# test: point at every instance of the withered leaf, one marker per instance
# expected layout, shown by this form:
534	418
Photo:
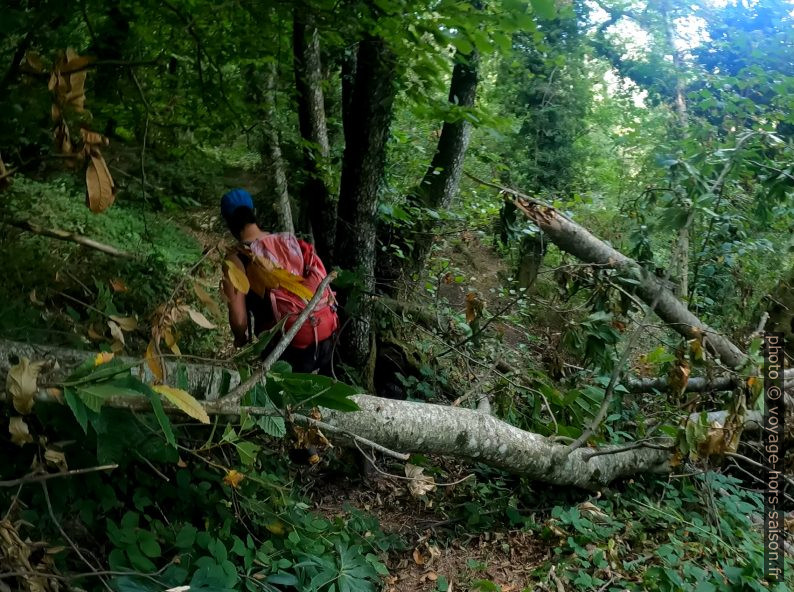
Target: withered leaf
206	299
99	184
20	433
237	277
153	362
21	384
126	323
198	318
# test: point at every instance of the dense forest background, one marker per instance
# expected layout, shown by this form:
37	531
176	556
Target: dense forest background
564	224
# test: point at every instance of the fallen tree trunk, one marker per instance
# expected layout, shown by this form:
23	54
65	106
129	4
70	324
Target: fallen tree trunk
572	238
396	425
402	425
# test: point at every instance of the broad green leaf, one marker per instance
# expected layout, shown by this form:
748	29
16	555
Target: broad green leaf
162	418
273	426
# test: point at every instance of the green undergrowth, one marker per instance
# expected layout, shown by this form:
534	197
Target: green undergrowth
38	270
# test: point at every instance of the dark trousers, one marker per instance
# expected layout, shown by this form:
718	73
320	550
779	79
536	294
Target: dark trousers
315	357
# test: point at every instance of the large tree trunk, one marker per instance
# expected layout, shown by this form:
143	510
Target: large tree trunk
271	153
316	195
366	133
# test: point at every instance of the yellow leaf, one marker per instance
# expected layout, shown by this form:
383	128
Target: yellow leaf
198	318
276	527
103	358
21	383
264	275
184	401
233	478
153	362
206	299
170	341
20	434
237	277
56	459
126	323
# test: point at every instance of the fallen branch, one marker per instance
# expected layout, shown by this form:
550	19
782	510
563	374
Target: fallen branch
579	242
65	235
37	477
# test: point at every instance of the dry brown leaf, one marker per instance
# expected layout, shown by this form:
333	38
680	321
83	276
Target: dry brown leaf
126	323
116	332
33	62
118	285
99	184
153	362
198	318
20	433
419	484
75	61
34	299
207	300
91	137
93	334
592	512
21	383
678	378
237	277
474	307
56	459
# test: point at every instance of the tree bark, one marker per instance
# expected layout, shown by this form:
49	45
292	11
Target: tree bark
271	153
316	195
680	260
440	183
366	134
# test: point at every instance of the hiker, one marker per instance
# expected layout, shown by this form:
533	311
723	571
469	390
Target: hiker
250	314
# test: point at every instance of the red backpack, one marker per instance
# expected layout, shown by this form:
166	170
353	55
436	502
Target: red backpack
299	258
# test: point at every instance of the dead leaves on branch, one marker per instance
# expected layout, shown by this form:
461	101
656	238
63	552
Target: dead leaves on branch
67	83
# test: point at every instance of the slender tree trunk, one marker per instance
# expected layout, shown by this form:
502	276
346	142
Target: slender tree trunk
680	260
440	183
316	195
271	153
366	133
439	186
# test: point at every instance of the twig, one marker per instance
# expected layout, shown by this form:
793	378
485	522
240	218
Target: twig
65	235
356	438
484	326
36	477
66	536
756	464
404	478
237	393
